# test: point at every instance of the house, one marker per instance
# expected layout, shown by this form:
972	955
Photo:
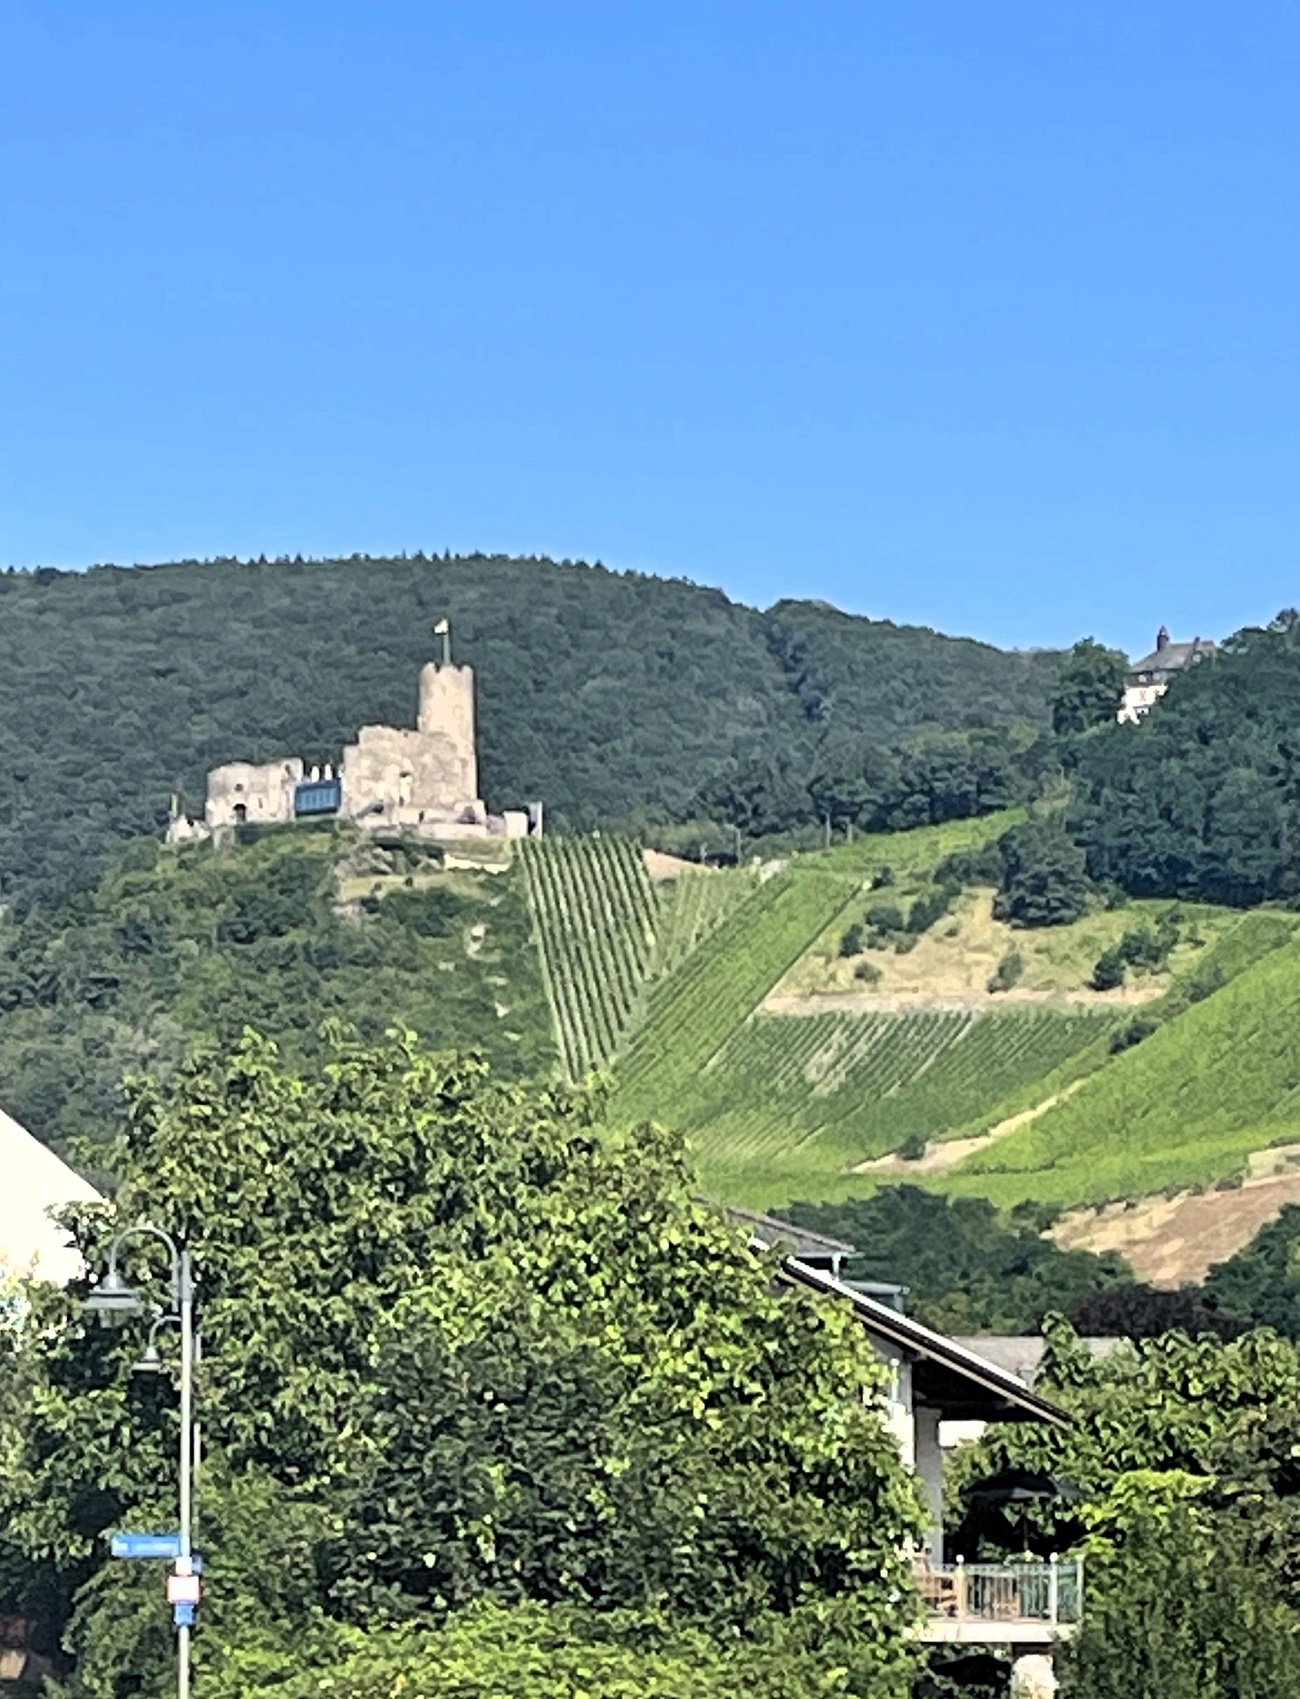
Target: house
36	1182
937	1384
1148	679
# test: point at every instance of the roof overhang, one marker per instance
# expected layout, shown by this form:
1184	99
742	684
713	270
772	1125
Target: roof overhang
958	1382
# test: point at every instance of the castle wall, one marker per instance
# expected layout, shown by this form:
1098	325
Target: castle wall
424	781
241	793
395	776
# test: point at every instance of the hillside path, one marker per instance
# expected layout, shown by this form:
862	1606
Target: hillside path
942	1154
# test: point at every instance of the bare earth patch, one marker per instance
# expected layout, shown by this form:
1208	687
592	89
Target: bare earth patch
1170	1241
660	865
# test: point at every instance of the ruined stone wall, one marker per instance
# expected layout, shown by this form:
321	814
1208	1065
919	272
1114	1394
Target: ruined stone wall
395	776
242	793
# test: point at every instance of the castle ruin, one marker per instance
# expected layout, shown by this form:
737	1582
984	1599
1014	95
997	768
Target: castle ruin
421	782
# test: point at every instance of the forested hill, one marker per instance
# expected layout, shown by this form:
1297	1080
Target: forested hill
615	697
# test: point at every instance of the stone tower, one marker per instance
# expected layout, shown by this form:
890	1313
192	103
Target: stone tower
446	729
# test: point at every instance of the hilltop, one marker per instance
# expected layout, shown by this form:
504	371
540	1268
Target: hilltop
617	698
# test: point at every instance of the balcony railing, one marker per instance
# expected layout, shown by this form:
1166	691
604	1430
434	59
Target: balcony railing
1020	1596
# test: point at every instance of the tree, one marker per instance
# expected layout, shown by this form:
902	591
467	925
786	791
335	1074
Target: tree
1088	688
1110	970
1188	1607
1043	879
461	1345
1261	1282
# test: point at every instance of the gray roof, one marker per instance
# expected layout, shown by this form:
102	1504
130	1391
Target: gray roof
1022	1353
952	1363
1173	657
797	1239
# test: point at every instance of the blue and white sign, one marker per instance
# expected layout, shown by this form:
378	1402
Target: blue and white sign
146	1545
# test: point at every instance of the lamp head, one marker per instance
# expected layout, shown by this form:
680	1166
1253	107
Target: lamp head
112	1300
150	1362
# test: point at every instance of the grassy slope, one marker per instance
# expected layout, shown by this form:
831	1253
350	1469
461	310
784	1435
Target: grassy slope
1218	1079
793	1103
595	913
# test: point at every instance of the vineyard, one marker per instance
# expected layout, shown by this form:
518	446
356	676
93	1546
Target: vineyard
594	909
793	1102
668	984
1184	1107
692	907
694	1009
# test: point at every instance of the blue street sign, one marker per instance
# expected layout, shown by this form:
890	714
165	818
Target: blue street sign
183	1615
146	1545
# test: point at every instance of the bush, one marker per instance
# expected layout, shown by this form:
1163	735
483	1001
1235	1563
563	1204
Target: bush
868	973
885	917
1142	948
1110	970
1133	1033
971	867
852	940
433	912
883	877
1008	972
930	906
913	1147
526	1651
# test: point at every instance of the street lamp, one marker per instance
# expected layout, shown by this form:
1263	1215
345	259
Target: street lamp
113	1300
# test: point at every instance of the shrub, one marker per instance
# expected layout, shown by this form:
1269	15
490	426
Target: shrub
1110	970
883	877
930	906
913	1147
851	941
971	867
1007	972
1133	1033
867	972
885	917
430	913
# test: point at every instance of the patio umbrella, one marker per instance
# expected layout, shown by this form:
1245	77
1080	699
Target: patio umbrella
999	1493
1022	1486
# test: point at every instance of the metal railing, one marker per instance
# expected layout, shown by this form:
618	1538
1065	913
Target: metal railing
1050	1593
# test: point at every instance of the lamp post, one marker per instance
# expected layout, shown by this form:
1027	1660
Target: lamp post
112	1300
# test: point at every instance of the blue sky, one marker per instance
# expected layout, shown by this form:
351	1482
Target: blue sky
982	316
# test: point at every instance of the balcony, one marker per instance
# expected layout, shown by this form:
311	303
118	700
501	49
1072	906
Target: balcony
1011	1604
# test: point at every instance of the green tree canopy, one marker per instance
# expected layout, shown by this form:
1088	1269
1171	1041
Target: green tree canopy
1088	689
460	1344
1043	878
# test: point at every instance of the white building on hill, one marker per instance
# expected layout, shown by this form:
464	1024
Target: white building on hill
1148	679
35	1181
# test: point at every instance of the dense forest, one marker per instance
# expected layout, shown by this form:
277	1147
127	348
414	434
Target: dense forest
618	698
293	933
1202	799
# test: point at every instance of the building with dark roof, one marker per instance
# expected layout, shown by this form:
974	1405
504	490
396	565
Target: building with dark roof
1148	679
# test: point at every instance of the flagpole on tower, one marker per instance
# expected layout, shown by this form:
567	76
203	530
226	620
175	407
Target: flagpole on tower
443	630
